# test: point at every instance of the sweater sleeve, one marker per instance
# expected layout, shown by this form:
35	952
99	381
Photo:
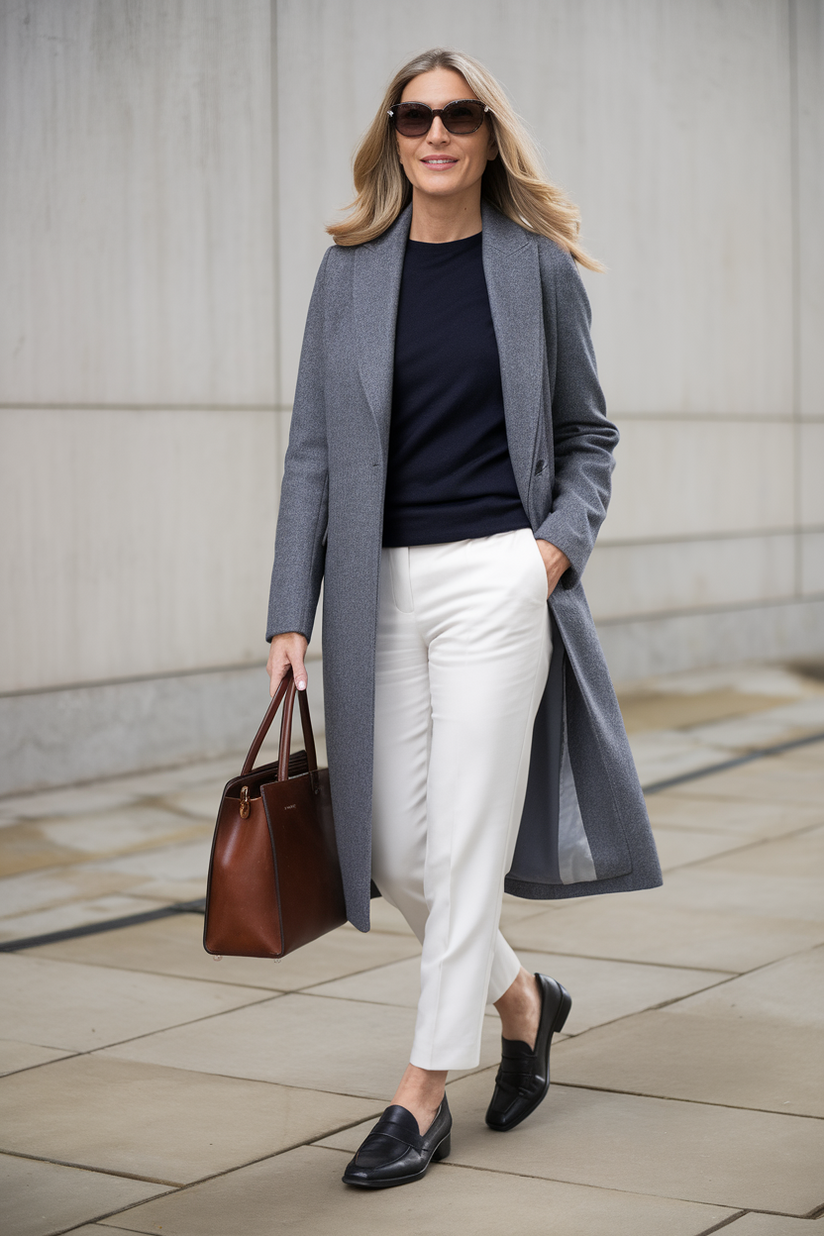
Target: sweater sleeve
583	438
300	536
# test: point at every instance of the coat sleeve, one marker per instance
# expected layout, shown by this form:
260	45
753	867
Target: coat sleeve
583	437
300	536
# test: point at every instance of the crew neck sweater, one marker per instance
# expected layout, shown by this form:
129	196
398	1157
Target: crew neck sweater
449	474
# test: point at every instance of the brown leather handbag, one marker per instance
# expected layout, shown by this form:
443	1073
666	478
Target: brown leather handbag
274	876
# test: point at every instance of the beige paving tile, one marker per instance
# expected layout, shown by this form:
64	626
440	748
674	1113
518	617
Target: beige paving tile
41	1198
770	778
202	801
764	728
681	924
311	1199
749	817
171	1125
76	1007
752	1042
94	1229
645	710
678	847
788	858
127	828
663	1148
170	873
73	914
790	992
67	800
36	844
15	1056
43	890
736	885
602	991
661	754
771	1225
175	946
342	1046
702	1060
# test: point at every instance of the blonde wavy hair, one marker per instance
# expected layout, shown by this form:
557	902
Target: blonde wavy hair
514	183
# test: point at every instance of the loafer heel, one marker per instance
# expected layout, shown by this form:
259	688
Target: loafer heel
563	1010
443	1150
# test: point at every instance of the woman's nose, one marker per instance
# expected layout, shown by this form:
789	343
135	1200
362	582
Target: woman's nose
437	132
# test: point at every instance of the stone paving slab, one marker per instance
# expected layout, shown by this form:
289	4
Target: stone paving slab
175	946
680	847
340	1046
604	990
677	925
749	818
752	1042
706	992
771	1225
42	1198
80	1008
301	1192
745	1160
170	1125
15	1056
83	912
779	779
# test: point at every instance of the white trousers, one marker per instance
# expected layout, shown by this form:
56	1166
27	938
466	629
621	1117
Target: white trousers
463	652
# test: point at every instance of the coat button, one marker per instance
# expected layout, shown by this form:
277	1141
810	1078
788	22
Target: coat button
539	467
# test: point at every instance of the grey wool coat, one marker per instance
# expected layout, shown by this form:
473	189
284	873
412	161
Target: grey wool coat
584	828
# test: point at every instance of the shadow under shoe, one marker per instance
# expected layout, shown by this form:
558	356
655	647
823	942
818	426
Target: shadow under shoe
396	1153
523	1078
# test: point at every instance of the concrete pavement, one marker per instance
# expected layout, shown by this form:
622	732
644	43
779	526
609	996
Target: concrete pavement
148	1088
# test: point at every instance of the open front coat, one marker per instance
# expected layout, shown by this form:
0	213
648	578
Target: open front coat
584	828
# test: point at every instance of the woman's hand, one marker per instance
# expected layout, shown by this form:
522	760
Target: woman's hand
285	651
555	561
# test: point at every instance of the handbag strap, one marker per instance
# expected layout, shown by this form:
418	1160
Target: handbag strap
287	689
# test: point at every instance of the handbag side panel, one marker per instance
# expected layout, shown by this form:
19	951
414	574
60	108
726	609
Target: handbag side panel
242	918
310	889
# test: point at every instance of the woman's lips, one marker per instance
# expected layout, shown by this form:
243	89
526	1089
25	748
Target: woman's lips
439	162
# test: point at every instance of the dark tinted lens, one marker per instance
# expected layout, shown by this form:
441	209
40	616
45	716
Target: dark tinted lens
463	117
412	119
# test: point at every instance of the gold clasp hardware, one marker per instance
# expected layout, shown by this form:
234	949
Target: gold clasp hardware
244	803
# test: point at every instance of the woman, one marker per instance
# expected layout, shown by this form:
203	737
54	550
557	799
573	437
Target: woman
448	469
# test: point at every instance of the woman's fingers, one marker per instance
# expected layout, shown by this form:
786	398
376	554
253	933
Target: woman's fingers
287	652
555	562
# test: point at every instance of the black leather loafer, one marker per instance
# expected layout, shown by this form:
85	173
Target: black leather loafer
523	1078
395	1153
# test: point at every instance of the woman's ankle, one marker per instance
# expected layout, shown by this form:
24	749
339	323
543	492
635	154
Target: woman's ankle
421	1092
520	1009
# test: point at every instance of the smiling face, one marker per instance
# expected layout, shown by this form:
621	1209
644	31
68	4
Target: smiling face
442	164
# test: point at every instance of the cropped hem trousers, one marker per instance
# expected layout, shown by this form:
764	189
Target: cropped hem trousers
463	652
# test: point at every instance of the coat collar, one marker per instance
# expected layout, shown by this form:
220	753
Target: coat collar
510	261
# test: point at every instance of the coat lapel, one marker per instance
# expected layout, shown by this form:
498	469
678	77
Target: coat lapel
513	282
377	282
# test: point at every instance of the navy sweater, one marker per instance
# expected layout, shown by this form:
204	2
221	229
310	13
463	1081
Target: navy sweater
449	476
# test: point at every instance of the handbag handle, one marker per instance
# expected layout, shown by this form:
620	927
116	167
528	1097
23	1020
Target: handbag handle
286	688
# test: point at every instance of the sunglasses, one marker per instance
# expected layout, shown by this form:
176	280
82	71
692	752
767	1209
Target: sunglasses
461	117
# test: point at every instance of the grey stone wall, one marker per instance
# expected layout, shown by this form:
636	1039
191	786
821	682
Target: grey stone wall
169	167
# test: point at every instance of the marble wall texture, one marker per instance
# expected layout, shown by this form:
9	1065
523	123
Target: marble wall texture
168	169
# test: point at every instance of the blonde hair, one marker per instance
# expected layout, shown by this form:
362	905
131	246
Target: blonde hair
514	182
